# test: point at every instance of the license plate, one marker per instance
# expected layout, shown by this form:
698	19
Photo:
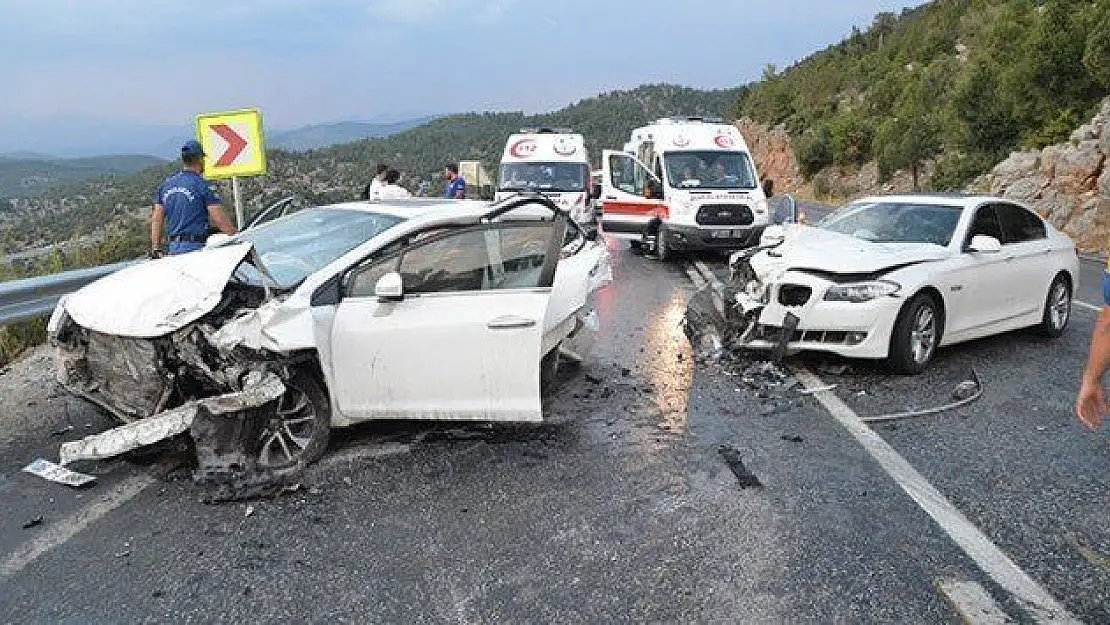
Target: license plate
721	234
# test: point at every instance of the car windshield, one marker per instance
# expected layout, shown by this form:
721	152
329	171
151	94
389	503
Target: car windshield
895	222
710	170
569	177
294	247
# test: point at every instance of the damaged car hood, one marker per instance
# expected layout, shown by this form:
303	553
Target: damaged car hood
808	247
156	297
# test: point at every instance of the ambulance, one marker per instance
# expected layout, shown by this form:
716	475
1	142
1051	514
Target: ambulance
553	162
684	184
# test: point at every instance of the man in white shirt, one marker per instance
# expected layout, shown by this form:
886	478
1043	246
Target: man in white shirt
391	190
372	190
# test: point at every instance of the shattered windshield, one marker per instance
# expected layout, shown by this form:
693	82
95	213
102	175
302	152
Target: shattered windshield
895	222
709	170
294	247
568	177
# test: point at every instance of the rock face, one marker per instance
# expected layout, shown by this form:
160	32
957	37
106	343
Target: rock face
1069	183
773	154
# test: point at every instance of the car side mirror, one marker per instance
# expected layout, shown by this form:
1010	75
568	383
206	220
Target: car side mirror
389	288
768	188
217	239
983	244
595	192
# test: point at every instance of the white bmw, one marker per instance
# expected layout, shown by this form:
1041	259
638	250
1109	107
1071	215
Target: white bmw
898	277
416	309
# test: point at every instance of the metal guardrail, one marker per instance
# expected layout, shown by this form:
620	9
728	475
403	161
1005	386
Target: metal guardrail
31	298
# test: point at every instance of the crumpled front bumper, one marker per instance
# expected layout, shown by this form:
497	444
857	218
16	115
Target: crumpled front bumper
852	330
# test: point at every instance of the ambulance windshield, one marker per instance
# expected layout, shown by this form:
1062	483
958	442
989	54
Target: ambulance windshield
568	177
709	170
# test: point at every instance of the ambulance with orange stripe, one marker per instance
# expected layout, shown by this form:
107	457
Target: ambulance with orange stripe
684	184
553	162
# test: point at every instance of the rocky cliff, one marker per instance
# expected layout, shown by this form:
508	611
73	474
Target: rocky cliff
1069	183
773	154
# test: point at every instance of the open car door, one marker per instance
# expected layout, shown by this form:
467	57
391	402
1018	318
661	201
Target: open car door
462	340
631	195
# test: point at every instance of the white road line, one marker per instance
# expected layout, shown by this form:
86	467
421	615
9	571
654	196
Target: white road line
708	274
1091	307
973	604
1041	605
694	276
65	529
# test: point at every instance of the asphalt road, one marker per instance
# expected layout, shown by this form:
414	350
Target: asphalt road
620	509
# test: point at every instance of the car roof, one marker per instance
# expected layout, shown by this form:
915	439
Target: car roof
416	208
964	200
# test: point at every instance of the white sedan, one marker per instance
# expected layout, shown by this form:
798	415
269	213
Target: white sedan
417	309
897	277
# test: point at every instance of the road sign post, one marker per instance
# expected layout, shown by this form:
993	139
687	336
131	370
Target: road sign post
233	147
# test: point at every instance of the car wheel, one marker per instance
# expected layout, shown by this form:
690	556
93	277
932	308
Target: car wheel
1057	308
637	246
916	335
549	371
298	429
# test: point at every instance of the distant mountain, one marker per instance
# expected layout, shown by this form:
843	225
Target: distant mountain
326	135
23	176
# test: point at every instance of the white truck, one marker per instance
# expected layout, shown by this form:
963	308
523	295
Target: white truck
684	184
553	162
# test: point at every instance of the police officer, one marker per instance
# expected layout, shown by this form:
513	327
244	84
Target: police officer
186	206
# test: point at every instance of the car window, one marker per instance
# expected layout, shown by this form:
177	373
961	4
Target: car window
499	256
985	223
628	175
1019	225
895	222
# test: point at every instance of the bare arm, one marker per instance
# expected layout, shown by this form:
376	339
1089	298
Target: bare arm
157	223
1092	405
216	215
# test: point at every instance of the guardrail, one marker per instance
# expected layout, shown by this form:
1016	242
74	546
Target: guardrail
31	298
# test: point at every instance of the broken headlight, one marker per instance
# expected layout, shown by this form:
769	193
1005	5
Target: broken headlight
858	292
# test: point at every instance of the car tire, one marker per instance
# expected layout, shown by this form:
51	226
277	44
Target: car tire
549	371
637	246
1057	308
297	429
916	335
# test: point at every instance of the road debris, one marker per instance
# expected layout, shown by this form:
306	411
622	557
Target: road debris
48	470
63	431
744	477
33	522
966	392
792	439
249	511
819	389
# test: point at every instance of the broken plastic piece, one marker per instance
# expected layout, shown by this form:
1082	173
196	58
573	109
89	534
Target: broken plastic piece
56	473
159	427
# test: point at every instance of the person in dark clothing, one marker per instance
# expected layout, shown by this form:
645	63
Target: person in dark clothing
456	186
185	207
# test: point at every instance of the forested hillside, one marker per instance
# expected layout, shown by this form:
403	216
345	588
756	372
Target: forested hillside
961	81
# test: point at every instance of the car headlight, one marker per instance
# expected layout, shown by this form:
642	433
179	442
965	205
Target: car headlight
858	292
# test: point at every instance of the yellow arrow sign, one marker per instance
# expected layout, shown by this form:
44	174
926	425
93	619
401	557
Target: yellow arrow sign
233	144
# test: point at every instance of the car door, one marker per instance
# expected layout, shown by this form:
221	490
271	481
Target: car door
979	283
1026	247
625	186
463	342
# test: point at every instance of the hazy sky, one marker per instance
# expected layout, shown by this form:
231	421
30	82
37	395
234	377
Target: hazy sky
308	61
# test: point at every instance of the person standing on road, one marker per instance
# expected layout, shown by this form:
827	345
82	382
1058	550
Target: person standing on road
1091	406
456	186
185	206
391	190
371	191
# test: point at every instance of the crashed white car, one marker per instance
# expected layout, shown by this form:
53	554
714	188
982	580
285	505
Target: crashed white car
897	277
414	309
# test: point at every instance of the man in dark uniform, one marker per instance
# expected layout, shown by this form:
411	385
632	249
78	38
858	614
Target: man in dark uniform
185	207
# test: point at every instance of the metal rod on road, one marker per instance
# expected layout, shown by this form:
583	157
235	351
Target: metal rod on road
238	202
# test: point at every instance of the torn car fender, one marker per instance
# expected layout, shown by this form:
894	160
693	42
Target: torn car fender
279	325
576	278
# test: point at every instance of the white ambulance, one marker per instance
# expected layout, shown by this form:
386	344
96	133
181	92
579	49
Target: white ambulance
553	162
684	184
